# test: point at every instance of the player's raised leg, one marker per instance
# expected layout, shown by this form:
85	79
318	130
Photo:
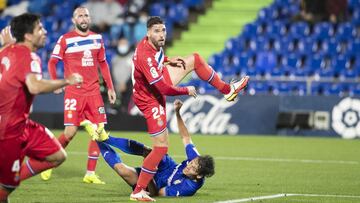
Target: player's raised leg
205	72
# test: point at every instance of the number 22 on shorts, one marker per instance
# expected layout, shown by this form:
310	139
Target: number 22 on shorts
70	104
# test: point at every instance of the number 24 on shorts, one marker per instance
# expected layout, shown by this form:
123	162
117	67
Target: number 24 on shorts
157	111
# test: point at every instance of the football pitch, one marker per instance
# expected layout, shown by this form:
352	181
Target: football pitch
247	168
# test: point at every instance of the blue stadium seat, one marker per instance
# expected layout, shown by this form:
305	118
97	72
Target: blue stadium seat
169	29
307	46
291	61
284	88
157	9
299	30
330	47
243	60
339	63
234	46
276	28
323	30
197	4
356	89
353	4
216	61
356	17
259	44
284	45
315	62
354	47
345	32
266	60
298	88
249	30
178	13
259	87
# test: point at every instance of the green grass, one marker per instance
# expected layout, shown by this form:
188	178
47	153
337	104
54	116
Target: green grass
261	165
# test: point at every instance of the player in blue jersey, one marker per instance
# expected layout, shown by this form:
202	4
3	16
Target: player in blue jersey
171	178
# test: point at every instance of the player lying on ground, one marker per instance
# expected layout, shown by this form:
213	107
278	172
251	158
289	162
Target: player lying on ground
171	179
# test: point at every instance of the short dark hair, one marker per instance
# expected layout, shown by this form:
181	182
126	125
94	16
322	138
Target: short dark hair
206	166
153	20
22	24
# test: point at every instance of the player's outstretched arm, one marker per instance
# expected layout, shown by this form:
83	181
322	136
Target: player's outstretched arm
36	85
184	133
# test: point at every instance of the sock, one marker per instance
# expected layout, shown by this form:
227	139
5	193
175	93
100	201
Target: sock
206	73
93	155
64	141
110	156
126	145
149	167
4	195
32	167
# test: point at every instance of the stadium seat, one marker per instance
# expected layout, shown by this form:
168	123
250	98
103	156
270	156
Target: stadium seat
299	30
276	28
307	46
354	47
284	45
194	4
323	30
330	47
339	63
345	32
157	9
178	14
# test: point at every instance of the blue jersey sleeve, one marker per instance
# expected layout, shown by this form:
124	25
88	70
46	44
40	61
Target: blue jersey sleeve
186	188
191	152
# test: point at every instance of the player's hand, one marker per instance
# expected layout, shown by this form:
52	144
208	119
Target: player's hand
192	91
177	105
74	79
177	62
6	37
112	96
58	91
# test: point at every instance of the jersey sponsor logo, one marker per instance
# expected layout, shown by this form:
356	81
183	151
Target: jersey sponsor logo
6	62
87	59
56	50
177	182
153	72
101	110
35	66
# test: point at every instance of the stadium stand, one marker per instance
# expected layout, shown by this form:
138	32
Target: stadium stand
286	57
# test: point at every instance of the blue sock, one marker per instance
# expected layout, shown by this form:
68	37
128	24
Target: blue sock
110	156
126	145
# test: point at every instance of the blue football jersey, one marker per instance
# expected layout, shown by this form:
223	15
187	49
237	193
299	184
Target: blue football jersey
170	175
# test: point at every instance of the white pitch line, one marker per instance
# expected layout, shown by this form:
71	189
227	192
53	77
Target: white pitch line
254	198
285	195
325	195
255	159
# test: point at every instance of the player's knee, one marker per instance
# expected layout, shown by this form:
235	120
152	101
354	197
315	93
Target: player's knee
59	157
4	193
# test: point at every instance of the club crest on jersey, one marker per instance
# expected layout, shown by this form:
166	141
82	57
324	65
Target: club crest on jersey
101	110
87	59
160	122
69	114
